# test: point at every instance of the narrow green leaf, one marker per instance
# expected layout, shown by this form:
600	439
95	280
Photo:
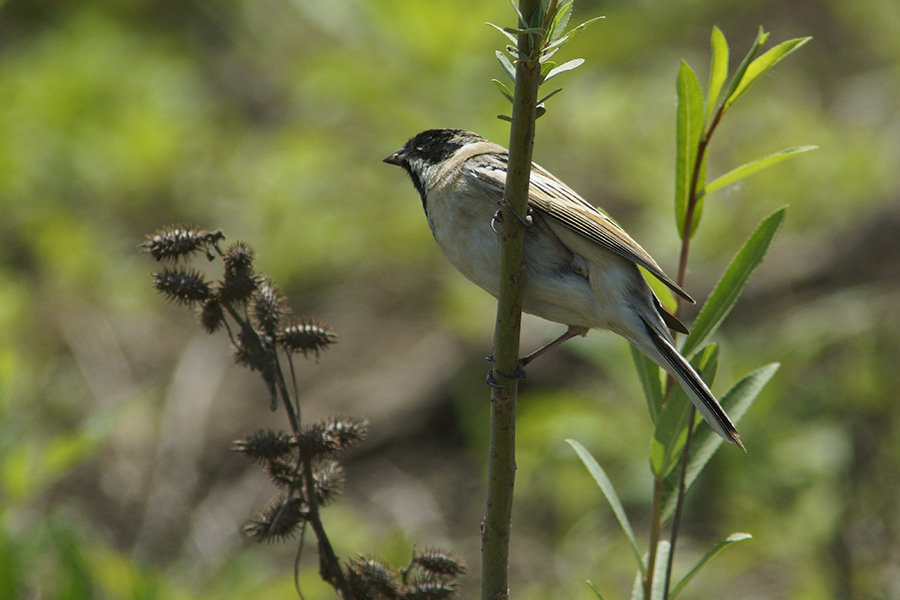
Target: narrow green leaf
761	38
718	71
596	591
658	588
566	66
507	65
710	554
764	63
670	434
706	442
503	89
550	95
689	128
518	13
729	288
609	491
504	31
648	373
752	167
560	20
569	35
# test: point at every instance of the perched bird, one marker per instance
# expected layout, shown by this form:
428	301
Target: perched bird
581	268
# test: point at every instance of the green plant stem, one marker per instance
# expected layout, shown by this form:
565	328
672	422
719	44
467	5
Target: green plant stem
655	531
501	460
679	279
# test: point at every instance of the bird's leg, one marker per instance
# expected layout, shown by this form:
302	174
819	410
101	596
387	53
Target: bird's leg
571	332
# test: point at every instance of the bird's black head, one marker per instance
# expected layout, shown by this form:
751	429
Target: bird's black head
428	149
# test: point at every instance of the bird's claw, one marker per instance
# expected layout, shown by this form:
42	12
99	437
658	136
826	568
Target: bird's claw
497	219
518	374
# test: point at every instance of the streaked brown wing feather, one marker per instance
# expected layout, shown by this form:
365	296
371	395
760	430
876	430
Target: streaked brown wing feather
553	198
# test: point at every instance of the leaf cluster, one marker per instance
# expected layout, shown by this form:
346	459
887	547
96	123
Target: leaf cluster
548	35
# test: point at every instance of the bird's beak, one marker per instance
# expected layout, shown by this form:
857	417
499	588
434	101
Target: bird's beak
397	158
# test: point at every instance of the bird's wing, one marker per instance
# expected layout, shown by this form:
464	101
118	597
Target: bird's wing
551	197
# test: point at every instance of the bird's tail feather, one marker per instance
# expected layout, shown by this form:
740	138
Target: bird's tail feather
693	386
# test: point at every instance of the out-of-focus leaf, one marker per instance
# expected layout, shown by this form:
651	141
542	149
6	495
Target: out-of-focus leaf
710	554
648	373
596	591
689	129
658	589
729	288
705	442
718	71
762	64
566	66
609	491
752	167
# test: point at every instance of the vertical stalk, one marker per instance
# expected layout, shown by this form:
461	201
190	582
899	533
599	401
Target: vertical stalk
501	461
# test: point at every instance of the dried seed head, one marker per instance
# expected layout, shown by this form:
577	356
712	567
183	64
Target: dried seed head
182	286
346	431
304	335
371	579
236	287
268	308
172	243
329	478
439	563
314	442
238	259
210	315
429	590
278	521
264	445
282	473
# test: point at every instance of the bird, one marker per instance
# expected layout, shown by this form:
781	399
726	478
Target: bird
581	267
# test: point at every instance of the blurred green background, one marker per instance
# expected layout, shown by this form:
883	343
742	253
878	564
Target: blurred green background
269	119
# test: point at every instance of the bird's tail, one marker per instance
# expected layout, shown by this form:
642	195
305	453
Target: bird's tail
692	384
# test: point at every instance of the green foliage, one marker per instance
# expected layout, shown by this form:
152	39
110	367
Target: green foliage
549	35
678	438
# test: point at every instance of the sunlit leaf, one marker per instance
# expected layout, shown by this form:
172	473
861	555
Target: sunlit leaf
560	20
761	37
718	71
609	491
689	129
710	554
570	34
566	66
752	167
764	63
727	291
705	442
